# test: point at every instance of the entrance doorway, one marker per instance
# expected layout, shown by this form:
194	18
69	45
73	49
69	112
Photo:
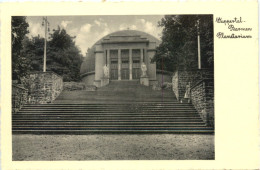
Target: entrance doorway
125	65
136	64
113	64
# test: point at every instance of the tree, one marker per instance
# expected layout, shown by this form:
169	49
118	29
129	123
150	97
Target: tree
63	56
19	62
179	42
33	50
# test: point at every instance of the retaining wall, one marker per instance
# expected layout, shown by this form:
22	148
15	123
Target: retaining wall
202	98
19	97
182	77
43	87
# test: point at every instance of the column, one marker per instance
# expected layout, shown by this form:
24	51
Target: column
146	59
130	64
108	62
142	56
119	64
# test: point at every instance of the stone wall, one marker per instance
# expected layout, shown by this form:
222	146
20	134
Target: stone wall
19	97
202	97
162	77
182	77
88	78
71	86
43	87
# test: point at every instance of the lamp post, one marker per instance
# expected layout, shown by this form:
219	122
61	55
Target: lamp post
45	23
199	57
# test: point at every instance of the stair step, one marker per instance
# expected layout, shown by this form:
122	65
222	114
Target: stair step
125	120
108	108
87	131
174	114
111	128
120	107
109	125
172	105
107	121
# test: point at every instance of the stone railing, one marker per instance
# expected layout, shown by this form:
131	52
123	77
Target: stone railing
202	98
19	97
43	87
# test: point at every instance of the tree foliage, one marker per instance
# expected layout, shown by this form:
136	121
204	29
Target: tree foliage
19	62
63	56
179	47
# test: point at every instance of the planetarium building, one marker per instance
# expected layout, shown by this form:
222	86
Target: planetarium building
121	56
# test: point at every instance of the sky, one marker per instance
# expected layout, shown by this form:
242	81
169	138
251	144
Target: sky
89	29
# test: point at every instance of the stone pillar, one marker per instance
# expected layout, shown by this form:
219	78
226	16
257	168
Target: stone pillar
146	59
119	64
108	62
99	63
142	56
130	64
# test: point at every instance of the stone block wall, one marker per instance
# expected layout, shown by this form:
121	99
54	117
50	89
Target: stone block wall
162	78
182	77
202	97
43	87
19	97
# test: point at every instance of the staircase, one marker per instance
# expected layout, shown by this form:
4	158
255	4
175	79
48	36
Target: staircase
116	91
121	107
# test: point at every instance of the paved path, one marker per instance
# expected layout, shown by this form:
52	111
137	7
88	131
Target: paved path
113	147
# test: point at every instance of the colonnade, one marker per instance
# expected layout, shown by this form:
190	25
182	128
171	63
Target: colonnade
119	67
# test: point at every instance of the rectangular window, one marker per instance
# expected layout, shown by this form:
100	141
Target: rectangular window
113	54
125	61
124	54
136	53
136	61
114	62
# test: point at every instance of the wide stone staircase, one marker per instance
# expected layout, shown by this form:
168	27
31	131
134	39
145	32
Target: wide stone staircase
120	107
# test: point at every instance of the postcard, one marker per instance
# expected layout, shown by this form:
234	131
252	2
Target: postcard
129	85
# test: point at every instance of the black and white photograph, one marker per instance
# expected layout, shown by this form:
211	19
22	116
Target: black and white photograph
129	85
112	87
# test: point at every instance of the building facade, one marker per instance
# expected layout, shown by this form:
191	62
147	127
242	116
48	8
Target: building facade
122	53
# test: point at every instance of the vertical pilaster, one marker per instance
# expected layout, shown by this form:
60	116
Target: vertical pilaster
119	64
130	64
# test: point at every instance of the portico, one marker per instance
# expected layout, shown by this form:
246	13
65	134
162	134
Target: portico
123	52
124	64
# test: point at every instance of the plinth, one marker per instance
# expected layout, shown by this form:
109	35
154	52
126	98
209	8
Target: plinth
104	81
144	80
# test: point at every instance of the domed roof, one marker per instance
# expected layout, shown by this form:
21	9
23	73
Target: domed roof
130	33
87	63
